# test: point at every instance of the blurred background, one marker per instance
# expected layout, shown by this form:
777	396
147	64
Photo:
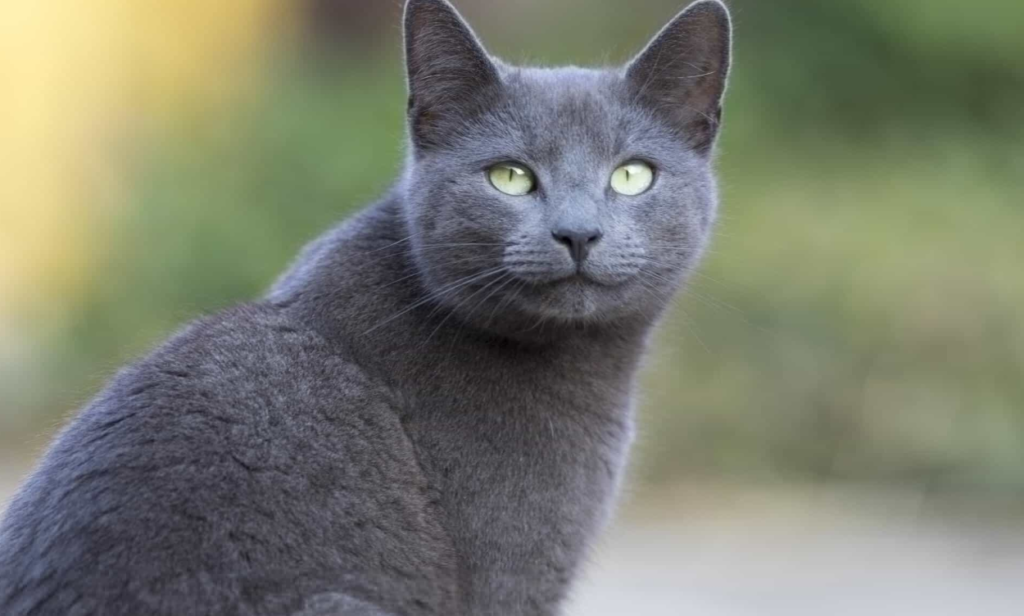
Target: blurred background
833	418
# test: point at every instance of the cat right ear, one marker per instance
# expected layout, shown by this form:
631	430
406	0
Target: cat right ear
448	69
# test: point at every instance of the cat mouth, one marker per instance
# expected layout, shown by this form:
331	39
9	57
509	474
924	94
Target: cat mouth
583	278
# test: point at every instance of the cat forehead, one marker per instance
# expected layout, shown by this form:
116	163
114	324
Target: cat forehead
565	88
557	110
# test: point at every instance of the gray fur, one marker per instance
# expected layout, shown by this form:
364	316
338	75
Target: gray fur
430	413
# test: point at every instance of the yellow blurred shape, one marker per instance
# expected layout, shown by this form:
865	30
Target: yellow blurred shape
79	83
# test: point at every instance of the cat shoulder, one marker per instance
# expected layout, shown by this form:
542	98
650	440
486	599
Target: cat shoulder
227	421
244	374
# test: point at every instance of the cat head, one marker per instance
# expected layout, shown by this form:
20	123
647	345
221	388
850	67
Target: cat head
568	195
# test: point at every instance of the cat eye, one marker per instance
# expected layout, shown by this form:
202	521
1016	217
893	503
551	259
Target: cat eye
633	178
511	179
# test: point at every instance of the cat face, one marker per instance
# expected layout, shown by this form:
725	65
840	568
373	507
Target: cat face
566	194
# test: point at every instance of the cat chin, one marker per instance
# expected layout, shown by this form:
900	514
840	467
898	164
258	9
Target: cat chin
572	300
575	300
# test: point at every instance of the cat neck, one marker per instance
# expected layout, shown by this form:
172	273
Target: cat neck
359	287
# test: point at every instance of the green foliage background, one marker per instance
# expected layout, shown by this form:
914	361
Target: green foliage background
859	318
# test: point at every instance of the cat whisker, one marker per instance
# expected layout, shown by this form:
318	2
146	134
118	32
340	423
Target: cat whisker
417	273
401	241
507	300
438	295
454	309
710	300
690	325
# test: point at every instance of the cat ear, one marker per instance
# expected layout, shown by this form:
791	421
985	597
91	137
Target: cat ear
448	69
682	73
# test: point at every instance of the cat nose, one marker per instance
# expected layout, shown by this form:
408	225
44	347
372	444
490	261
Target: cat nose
579	242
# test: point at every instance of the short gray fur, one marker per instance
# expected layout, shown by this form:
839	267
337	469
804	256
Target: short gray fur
430	413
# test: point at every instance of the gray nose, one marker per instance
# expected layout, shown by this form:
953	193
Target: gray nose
579	242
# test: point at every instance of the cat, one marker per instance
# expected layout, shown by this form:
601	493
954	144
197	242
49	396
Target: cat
430	412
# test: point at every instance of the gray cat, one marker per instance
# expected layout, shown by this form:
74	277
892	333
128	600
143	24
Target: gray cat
430	413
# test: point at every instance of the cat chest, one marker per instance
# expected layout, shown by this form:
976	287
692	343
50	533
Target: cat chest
524	484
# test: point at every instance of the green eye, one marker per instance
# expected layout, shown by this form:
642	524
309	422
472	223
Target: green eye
511	179
633	178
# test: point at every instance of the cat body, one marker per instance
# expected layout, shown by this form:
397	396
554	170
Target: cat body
430	413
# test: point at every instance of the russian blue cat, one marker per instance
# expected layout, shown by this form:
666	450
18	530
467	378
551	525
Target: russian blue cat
429	414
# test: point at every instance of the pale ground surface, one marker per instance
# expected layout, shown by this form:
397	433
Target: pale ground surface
813	552
713	551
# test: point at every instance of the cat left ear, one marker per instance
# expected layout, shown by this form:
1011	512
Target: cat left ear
448	69
682	73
